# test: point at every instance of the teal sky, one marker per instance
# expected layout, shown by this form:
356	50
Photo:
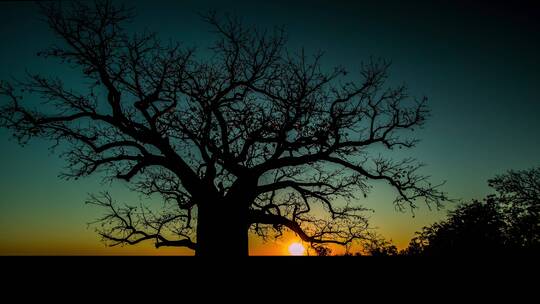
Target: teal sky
477	63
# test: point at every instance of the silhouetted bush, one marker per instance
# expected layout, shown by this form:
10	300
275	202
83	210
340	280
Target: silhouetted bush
380	248
502	223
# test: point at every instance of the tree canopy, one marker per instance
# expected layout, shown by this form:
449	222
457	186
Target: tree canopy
505	222
253	137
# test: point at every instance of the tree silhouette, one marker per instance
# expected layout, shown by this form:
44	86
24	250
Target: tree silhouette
380	247
474	228
519	199
252	137
507	222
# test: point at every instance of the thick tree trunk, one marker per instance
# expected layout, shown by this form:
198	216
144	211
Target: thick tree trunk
222	229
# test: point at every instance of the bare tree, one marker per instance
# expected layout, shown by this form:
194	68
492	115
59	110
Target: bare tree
253	137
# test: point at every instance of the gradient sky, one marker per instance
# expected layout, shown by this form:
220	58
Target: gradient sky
478	64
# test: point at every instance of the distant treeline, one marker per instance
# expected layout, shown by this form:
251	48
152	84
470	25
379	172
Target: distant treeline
506	222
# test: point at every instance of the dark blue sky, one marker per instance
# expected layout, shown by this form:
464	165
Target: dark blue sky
478	64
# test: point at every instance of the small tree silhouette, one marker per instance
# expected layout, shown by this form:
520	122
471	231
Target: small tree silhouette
519	199
252	137
380	247
507	222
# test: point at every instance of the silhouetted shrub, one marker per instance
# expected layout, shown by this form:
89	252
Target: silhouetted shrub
506	222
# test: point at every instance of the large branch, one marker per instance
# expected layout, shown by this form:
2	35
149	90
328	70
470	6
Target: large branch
125	226
317	238
402	178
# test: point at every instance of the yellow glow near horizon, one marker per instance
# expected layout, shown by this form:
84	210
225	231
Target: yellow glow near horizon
296	249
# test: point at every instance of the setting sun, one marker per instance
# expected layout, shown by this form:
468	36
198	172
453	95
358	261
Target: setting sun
296	249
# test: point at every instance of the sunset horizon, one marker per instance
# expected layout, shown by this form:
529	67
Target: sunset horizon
267	129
